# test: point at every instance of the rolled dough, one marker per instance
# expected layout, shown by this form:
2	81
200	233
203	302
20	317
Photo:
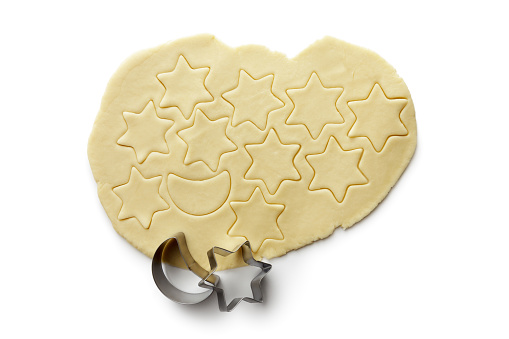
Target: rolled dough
227	144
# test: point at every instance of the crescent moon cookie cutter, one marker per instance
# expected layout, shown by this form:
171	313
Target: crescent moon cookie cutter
175	248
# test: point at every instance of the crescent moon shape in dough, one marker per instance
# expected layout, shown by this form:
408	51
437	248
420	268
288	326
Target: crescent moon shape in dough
199	197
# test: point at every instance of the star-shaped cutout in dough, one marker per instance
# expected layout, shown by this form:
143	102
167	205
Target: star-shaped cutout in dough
185	87
378	118
206	140
140	198
253	100
256	220
272	162
314	106
336	169
145	132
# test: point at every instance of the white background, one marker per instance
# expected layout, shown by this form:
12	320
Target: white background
430	262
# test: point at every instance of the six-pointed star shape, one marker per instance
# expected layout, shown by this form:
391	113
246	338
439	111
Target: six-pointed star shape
336	169
185	87
378	118
140	198
145	132
253	100
272	162
256	220
315	106
206	140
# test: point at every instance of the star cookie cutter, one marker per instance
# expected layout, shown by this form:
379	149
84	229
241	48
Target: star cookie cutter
175	248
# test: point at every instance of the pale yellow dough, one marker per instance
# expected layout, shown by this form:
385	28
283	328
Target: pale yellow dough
227	144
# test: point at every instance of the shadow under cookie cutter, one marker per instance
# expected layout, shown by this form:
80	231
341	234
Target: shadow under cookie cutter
177	246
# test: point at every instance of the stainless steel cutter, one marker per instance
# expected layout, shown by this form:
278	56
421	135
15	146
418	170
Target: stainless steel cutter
175	249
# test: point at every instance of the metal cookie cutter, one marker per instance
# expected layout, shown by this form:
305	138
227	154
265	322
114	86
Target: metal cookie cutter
176	248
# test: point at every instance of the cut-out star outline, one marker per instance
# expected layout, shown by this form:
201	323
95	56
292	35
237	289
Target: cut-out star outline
256	220
140	198
206	140
378	117
185	87
314	106
336	169
272	161
145	132
253	100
